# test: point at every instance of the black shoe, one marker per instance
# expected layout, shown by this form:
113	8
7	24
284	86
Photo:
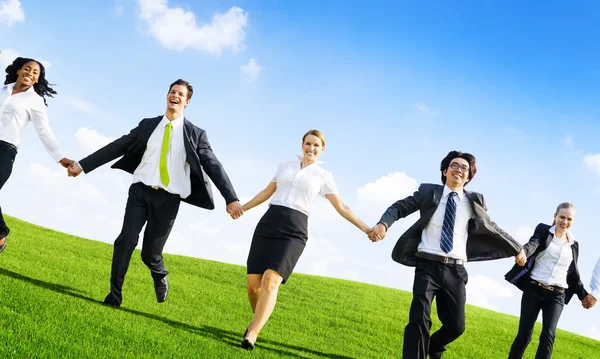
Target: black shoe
3	245
161	288
109	300
246	344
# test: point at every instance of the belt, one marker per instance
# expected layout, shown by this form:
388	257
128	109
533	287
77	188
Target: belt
548	287
440	259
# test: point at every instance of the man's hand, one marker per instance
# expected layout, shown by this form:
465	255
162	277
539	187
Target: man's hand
65	162
377	233
588	301
235	209
521	258
73	170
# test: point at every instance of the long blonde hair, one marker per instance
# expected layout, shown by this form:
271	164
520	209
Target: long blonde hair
564	205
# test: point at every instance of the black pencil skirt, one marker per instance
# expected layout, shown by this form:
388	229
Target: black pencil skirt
278	241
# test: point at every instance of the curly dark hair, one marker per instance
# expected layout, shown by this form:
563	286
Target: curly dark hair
457	154
42	87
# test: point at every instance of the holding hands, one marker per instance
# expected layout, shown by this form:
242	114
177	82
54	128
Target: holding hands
73	169
588	301
521	258
377	233
235	210
65	162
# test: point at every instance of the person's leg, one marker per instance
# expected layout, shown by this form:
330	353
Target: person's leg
254	285
530	308
552	308
7	158
267	298
416	332
450	303
136	212
162	212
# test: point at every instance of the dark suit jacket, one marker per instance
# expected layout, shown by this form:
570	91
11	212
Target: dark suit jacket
486	241
200	157
538	243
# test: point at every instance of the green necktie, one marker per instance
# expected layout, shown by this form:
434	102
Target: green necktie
162	166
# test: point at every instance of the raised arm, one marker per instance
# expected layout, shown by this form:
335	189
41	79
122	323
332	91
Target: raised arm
262	196
346	212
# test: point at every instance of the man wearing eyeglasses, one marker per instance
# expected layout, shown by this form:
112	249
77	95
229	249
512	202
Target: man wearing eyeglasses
453	228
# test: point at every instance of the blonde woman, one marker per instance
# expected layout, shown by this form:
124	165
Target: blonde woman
282	232
546	271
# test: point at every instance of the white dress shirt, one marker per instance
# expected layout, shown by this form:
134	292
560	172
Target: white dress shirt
552	264
432	234
595	285
16	111
148	171
298	187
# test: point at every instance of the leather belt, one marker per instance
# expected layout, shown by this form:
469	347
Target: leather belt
440	259
548	287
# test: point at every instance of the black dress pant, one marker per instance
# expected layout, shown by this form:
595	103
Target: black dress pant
8	152
551	304
157	209
447	283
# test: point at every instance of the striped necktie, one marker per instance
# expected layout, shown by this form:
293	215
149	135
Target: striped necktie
446	242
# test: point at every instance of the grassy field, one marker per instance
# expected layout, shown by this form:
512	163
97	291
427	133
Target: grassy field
51	285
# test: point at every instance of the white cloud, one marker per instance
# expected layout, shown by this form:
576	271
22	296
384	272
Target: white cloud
91	140
7	56
523	234
569	141
251	70
481	290
386	190
592	162
592	332
176	28
119	8
11	12
424	109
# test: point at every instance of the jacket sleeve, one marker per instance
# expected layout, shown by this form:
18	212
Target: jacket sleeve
534	242
113	150
579	288
214	169
491	226
402	208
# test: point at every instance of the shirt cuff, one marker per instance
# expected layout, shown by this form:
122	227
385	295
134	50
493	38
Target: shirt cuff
595	293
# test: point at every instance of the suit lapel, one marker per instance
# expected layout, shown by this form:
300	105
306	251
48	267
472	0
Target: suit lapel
147	132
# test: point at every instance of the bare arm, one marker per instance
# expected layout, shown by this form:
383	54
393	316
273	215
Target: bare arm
346	212
262	196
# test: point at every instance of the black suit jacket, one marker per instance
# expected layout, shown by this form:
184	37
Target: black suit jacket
200	157
486	241
538	243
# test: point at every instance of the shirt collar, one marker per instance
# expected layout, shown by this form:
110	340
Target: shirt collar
447	190
570	237
9	88
175	123
317	162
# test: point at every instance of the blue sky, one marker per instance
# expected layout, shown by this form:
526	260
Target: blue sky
393	85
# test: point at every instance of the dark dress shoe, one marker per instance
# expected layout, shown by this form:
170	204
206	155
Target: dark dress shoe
3	245
161	288
109	300
246	344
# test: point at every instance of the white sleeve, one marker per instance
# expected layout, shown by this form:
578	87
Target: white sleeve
39	118
329	186
595	285
278	172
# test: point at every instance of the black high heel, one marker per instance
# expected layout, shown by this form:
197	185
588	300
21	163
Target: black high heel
246	344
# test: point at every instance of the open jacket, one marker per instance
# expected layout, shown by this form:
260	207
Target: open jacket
538	243
485	241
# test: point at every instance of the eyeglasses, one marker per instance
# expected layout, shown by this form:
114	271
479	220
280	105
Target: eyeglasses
456	166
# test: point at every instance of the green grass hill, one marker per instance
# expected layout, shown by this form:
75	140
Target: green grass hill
52	284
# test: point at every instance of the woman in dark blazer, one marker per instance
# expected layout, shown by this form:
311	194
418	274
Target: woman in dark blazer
546	271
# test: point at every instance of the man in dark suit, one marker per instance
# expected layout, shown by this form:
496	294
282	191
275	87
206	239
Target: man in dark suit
169	158
454	227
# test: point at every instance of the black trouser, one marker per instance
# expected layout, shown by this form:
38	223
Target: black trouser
8	153
551	304
158	210
447	283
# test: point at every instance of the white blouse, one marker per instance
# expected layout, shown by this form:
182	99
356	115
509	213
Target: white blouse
552	264
298	187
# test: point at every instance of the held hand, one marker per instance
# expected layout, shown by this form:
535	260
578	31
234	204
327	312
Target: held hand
74	169
588	302
521	258
377	233
235	209
65	162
